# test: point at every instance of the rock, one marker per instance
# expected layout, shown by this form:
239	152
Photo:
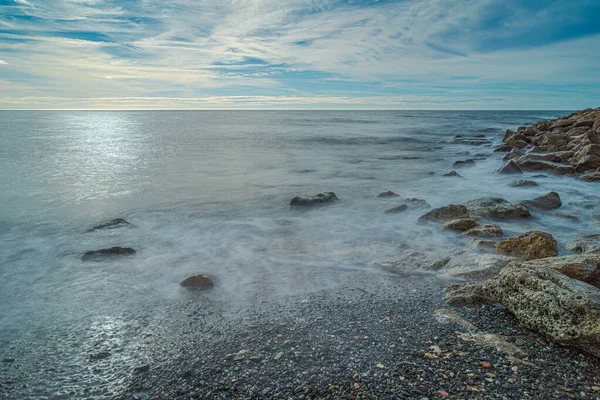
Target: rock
450	316
198	282
584	244
316	200
488	230
115	223
510	168
483	245
565	310
142	369
529	246
473	266
101	254
540	165
508	134
596	124
550	201
453	173
522	183
278	356
590	177
388	194
472	141
513	144
418	203
587	163
462	163
465	294
443	214
562	123
573	218
584	123
587	157
397	209
461	224
583	267
514	153
496	208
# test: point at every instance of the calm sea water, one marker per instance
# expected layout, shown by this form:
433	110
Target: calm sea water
209	192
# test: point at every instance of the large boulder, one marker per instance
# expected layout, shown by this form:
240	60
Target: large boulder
529	246
97	255
316	200
546	202
565	310
115	223
461	224
496	208
588	244
198	282
447	213
541	165
588	158
583	267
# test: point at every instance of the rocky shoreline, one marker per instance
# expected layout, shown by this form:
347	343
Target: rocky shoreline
520	320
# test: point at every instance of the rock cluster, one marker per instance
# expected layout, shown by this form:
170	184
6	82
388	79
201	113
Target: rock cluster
563	146
316	200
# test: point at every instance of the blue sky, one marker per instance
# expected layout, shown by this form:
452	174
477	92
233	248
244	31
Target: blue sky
301	54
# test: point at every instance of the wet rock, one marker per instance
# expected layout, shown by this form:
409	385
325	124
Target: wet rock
465	294
316	200
550	201
522	183
529	246
463	163
198	282
514	153
565	310
587	244
583	267
488	230
453	174
514	144
397	209
461	224
590	177
101	254
540	165
447	213
508	134
496	208
388	194
471	141
570	217
482	245
417	203
510	168
115	223
584	123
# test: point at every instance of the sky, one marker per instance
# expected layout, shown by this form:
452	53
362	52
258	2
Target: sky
299	54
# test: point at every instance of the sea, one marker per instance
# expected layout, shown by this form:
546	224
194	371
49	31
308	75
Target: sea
208	192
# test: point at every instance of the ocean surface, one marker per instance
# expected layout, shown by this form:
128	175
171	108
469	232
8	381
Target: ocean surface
208	192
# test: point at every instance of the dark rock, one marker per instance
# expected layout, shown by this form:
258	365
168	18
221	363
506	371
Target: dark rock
8	360
462	163
388	194
570	217
453	173
115	223
508	134
510	168
417	203
397	209
588	244
590	177
105	253
142	369
316	200
514	153
522	183
198	282
584	123
540	165
496	208
488	230
513	144
472	141
443	214
461	224
546	202
529	246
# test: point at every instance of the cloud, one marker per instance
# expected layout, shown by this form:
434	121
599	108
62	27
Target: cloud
510	50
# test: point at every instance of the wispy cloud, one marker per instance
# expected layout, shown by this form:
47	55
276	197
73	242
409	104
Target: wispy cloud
385	52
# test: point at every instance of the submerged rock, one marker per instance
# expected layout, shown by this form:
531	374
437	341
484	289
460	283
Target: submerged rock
461	224
198	282
462	163
453	173
488	230
397	209
105	253
316	200
550	201
483	245
388	194
522	183
418	203
529	246
443	214
115	223
565	310
584	244
510	168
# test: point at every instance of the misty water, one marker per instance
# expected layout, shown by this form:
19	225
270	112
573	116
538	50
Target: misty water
208	192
